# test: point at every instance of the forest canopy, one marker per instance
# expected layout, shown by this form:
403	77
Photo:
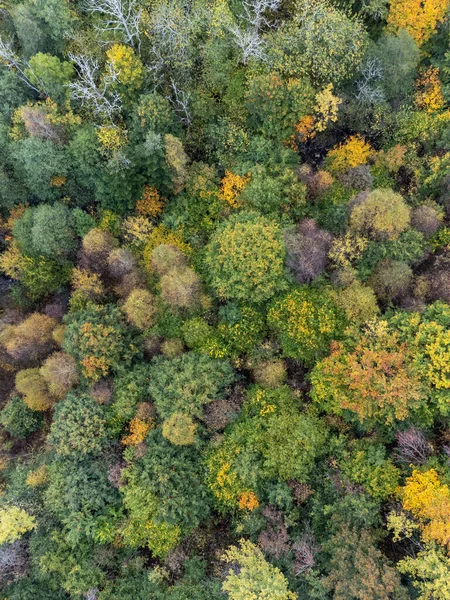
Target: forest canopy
225	300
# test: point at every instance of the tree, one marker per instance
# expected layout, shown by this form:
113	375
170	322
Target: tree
305	321
31	384
19	420
60	373
307	251
383	215
118	17
47	230
98	337
371	378
50	74
30	341
140	308
186	383
420	19
180	288
256	579
245	259
179	429
78	426
358	570
429	501
430	570
15	522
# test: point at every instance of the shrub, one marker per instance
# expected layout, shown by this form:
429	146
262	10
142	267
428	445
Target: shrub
78	426
357	178
18	420
383	215
186	383
245	259
179	429
32	385
60	373
97	245
140	308
305	321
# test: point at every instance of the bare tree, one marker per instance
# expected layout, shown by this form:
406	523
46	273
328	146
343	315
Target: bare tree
368	90
92	90
180	102
305	550
248	37
412	447
18	66
119	16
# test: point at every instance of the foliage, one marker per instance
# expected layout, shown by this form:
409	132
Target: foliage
257	579
245	259
419	19
186	383
382	215
306	321
78	426
18	420
15	522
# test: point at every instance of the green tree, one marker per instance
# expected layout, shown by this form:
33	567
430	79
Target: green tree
78	426
245	259
186	383
305	322
18	420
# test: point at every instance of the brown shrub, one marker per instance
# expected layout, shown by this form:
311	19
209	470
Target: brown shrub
426	220
120	262
270	373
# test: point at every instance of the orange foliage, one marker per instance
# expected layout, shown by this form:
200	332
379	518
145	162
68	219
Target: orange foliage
429	501
150	204
231	186
419	17
248	501
352	153
138	430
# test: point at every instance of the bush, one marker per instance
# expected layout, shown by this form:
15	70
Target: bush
383	215
358	301
18	420
245	259
78	426
270	373
426	220
305	321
